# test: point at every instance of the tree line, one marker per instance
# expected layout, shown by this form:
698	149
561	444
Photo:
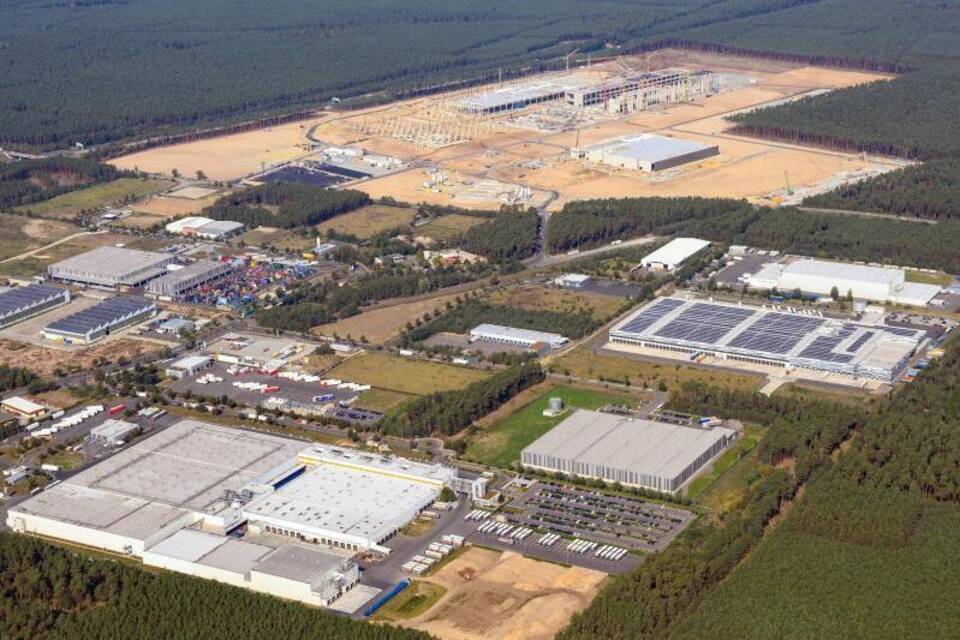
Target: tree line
449	412
28	181
510	237
285	205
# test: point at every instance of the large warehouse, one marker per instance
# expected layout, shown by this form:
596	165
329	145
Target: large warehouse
100	320
182	281
769	337
631	451
21	303
673	254
864	282
111	267
522	94
646	152
173	498
524	338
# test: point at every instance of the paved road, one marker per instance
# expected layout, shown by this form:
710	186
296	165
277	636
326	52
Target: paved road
545	260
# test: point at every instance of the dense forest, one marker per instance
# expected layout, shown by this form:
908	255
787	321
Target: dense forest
469	314
29	181
48	592
645	603
588	223
285	205
509	237
787	229
309	305
448	412
929	190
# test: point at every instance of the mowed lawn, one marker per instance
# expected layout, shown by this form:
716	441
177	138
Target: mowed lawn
98	195
501	445
406	375
367	222
449	226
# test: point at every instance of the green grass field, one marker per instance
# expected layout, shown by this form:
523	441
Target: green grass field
939	279
739	451
406	375
412	601
369	221
501	445
447	227
70	204
382	399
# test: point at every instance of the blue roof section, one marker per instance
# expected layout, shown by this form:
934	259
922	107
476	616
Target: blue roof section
21	298
108	312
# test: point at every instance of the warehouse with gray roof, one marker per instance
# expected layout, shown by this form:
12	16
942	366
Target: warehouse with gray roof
111	267
21	303
632	451
524	338
100	320
181	281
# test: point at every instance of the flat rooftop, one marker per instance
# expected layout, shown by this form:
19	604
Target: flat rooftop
843	271
527	91
188	273
632	444
111	263
299	563
676	251
254	347
649	147
514	333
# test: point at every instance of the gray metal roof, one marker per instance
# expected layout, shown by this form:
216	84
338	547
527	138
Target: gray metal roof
652	148
111	264
20	298
108	312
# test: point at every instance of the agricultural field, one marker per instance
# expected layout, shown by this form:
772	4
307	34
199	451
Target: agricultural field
544	298
19	234
383	323
531	599
501	444
406	375
448	226
368	221
70	204
584	362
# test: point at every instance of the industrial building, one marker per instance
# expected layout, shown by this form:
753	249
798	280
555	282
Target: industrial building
877	284
23	408
20	303
261	352
648	84
111	267
769	337
246	508
522	94
100	320
632	451
646	152
113	433
673	254
572	280
187	366
206	228
181	281
512	336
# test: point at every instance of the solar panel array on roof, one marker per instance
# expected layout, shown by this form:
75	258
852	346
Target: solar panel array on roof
108	312
651	314
776	332
860	341
705	323
20	299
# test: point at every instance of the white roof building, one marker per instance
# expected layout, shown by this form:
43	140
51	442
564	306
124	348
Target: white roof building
516	337
22	407
647	152
113	432
187	224
188	365
878	284
674	253
573	280
632	451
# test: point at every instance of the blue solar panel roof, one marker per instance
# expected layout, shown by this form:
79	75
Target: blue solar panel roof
107	312
650	314
24	297
775	332
704	322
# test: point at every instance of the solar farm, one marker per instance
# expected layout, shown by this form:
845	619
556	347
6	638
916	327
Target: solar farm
771	337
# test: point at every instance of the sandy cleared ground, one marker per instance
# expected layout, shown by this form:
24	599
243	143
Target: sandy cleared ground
539	159
45	361
165	207
508	597
227	157
379	325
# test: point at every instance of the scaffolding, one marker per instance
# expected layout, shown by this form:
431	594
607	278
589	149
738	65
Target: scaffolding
684	86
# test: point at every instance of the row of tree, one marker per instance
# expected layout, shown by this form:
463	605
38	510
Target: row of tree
30	181
449	412
285	205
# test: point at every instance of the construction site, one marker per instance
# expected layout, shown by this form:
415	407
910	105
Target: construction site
554	137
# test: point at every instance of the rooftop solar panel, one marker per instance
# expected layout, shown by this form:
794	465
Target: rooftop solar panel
898	331
822	349
860	341
108	311
775	333
21	298
705	323
651	313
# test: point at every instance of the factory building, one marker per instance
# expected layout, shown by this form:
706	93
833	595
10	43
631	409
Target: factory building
187	366
512	336
768	337
572	280
113	433
218	229
100	320
876	284
601	92
181	281
522	94
673	254
111	267
250	509
646	152
631	451
20	303
23	408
